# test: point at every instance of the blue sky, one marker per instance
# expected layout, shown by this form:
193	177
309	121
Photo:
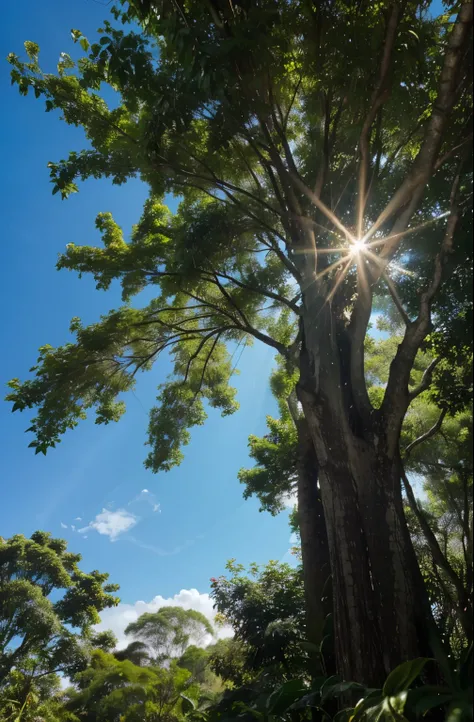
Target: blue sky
202	519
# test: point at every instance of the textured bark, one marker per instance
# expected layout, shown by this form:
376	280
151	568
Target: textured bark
314	544
380	614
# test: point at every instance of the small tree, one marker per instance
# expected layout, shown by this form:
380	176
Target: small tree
169	631
110	690
39	636
267	613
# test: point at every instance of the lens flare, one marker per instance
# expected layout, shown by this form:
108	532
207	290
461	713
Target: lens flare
358	246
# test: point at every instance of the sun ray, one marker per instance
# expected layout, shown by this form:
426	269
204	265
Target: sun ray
334	265
338	282
408	231
339	249
322	207
404	271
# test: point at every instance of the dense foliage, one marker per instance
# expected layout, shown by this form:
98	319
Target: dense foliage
48	607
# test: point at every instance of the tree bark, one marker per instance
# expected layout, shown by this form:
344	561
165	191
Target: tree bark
314	548
380	611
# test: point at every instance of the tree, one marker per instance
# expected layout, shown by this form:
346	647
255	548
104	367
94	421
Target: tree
110	690
267	613
227	658
308	173
197	661
39	636
436	444
169	631
136	652
25	700
443	520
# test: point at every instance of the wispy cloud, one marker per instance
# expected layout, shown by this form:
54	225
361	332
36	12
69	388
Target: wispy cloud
159	551
63	526
111	523
146	497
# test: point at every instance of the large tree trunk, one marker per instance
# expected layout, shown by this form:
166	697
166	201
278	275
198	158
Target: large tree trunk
380	613
314	548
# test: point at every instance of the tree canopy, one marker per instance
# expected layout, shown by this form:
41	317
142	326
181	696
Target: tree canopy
48	606
321	155
168	632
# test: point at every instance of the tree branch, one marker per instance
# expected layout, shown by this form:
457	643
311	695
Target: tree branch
396	299
397	396
426	379
201	381
379	96
427	435
424	164
438	557
451	152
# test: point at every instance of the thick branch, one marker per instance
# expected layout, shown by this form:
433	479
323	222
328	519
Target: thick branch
397	396
379	96
424	165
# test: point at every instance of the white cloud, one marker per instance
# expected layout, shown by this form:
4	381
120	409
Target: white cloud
111	523
118	618
290	501
63	526
157	507
73	527
145	491
289	557
78	518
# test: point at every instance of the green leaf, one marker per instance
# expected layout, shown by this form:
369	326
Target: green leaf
403	676
187	705
84	43
460	711
32	49
284	696
371	700
313	700
344	715
422	699
340	688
